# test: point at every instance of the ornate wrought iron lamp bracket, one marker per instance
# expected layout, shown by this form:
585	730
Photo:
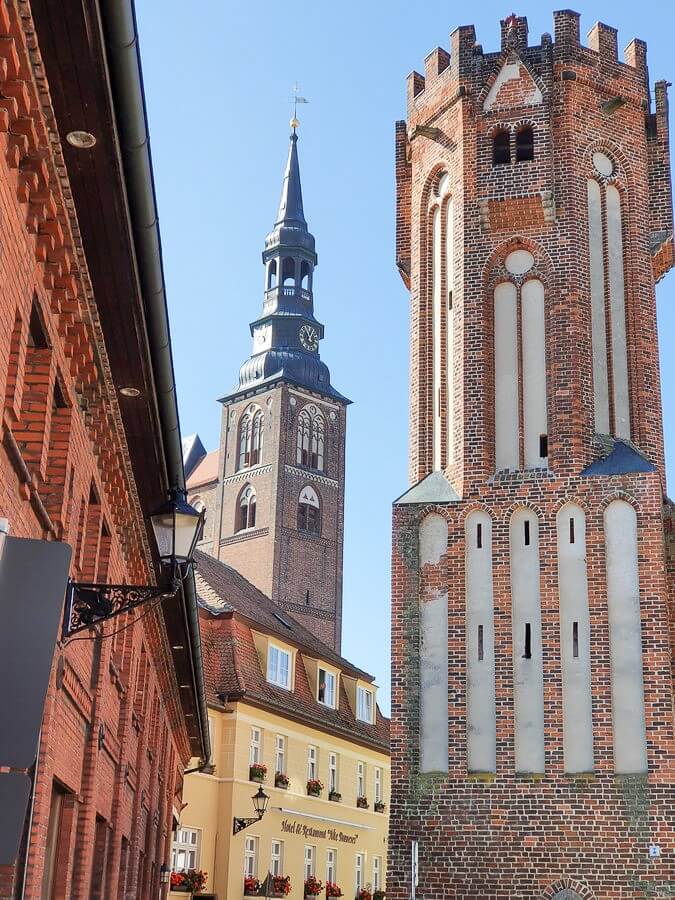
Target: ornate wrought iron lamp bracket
88	604
240	823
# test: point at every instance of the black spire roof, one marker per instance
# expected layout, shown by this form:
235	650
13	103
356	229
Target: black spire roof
286	336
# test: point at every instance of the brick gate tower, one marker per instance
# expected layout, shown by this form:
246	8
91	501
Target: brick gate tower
532	727
278	501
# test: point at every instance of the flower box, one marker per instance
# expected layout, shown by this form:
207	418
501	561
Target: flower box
313	887
257	772
333	890
281	886
251	887
379	806
364	894
190	882
379	894
362	802
281	780
336	797
314	787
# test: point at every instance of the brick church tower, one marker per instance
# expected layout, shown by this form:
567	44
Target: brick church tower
532	726
278	500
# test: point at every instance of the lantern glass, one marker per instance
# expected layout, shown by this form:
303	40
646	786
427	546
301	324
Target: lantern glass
164	874
260	801
177	527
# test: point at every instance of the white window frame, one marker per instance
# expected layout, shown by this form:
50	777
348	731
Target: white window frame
188	842
275	669
310	861
277	857
255	747
280	754
333	772
359	864
331	864
362	713
250	856
378	784
312	762
377	872
361	779
330	678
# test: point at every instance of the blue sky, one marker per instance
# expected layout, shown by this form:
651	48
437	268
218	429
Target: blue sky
218	80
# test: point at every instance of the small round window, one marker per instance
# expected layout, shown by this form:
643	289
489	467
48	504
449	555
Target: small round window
603	164
518	262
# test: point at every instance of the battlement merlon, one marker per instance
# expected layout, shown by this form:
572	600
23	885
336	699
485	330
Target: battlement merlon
467	59
660	183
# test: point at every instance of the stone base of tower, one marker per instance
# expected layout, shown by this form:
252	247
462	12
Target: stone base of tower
548	782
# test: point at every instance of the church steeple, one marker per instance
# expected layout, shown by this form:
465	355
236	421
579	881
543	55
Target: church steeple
290	205
286	336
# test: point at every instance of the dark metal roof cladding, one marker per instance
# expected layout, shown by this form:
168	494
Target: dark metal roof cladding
286	336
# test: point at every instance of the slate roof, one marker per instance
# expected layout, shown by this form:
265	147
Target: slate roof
231	608
619	458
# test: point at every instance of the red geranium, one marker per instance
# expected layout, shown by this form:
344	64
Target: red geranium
313	886
281	884
332	889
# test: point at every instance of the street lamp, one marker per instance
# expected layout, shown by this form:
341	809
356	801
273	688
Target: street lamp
260	801
164	874
177	527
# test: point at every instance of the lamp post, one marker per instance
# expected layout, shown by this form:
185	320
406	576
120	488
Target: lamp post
260	801
177	527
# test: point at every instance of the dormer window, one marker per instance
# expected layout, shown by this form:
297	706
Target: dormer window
326	693
364	705
279	667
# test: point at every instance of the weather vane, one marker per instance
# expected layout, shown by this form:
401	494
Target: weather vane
296	99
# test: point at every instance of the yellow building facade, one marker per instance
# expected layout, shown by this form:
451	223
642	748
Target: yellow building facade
303	713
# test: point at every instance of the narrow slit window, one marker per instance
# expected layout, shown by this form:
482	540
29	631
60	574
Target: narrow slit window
307	598
449	299
543	445
526	528
528	641
575	639
479	535
572	535
481	649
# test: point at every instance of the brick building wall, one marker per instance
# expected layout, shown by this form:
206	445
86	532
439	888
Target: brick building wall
302	572
113	741
508	832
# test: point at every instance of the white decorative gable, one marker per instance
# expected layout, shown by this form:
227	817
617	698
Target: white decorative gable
514	86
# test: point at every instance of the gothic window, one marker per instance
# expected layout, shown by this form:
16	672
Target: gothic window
440	230
501	148
525	144
520	369
304	432
309	512
311	439
246	509
606	264
250	438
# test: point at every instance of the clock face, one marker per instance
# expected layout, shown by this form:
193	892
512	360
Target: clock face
309	338
261	335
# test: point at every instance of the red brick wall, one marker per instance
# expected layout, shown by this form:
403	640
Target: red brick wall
508	834
65	475
276	557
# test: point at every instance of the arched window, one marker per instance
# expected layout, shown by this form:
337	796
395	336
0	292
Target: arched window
246	509
311	439
316	461
257	438
288	271
250	438
304	275
501	148
304	431
525	144
272	275
309	511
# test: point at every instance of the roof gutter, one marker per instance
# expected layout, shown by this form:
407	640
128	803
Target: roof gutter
126	79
